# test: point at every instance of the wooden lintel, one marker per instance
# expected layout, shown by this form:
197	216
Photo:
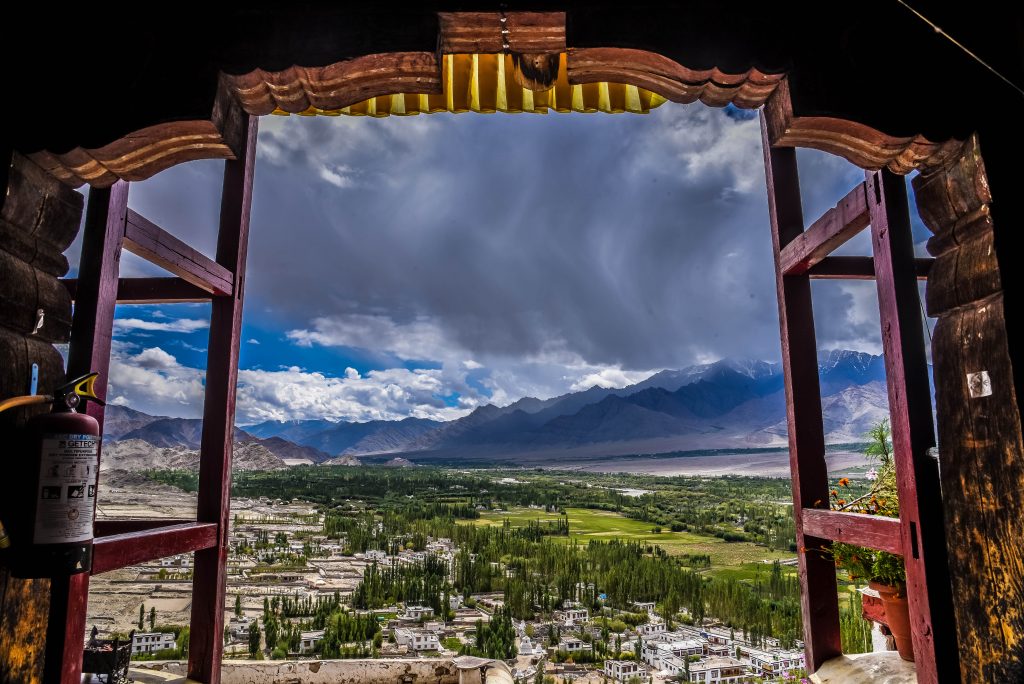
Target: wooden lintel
121	550
836	226
858	268
872	531
151	242
151	291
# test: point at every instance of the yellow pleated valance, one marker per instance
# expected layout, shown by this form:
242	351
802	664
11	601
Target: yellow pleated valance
485	83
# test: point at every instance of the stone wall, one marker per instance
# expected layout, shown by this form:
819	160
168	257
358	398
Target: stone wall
424	671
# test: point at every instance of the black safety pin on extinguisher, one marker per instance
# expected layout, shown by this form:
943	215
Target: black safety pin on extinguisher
55	471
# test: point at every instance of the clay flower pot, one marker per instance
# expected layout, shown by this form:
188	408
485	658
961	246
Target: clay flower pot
897	616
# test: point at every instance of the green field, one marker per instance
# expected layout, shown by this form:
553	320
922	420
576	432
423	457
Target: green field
739	559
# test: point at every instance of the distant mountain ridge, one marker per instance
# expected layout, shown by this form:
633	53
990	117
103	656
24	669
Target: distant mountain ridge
726	404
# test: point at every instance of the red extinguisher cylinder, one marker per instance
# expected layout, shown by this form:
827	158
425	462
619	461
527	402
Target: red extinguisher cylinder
51	531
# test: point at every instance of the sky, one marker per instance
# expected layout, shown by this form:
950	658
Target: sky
423	266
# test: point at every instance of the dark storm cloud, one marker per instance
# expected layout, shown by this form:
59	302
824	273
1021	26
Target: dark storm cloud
545	248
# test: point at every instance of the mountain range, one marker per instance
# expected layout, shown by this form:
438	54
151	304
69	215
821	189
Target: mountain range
729	404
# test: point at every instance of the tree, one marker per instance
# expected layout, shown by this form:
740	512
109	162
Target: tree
238	605
152	619
254	638
142	616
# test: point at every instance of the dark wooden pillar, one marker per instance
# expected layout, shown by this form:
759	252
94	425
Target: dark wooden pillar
39	217
980	442
91	334
210	580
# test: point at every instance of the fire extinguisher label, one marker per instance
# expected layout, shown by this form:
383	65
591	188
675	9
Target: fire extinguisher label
68	475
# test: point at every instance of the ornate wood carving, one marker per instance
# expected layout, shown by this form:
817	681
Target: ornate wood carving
980	442
493	32
671	79
338	85
862	145
148	151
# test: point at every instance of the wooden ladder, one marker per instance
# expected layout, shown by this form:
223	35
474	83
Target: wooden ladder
918	535
111	226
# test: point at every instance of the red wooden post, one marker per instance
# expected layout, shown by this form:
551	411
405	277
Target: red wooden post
209	581
910	407
91	331
803	407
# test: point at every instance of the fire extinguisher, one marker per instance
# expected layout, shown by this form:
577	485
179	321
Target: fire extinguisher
52	496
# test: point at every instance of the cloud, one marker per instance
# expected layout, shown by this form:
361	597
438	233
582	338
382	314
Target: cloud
181	325
421	338
518	255
155	358
154	382
252	340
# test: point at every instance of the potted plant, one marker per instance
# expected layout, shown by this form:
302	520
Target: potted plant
884	571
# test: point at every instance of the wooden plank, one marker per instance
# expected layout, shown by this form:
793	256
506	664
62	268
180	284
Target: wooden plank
824	236
91	332
106	528
913	433
858	268
151	290
151	242
129	548
209	581
872	531
809	472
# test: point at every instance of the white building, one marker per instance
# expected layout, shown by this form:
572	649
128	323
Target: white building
417	639
644	606
718	671
418	612
179	561
310	640
621	669
239	627
572	616
151	642
776	663
376	555
526	647
570	644
651	628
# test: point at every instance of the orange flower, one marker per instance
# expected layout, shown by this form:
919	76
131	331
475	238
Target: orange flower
835	493
841	502
844	482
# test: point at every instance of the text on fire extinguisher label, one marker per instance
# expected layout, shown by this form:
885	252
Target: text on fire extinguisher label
68	475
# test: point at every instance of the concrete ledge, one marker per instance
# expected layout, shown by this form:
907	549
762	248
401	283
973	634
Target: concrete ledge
866	668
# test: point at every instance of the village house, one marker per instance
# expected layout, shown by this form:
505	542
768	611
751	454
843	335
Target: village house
417	639
570	644
151	642
651	628
718	671
309	640
644	606
572	616
418	613
776	663
621	670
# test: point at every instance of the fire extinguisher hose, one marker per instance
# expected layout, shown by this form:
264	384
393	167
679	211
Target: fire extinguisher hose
25	400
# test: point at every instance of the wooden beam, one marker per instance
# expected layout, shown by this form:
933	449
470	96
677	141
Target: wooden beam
129	548
910	407
107	528
91	331
858	268
818	601
209	581
824	236
150	291
872	531
151	242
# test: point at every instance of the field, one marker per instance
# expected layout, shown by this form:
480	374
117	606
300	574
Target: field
733	559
